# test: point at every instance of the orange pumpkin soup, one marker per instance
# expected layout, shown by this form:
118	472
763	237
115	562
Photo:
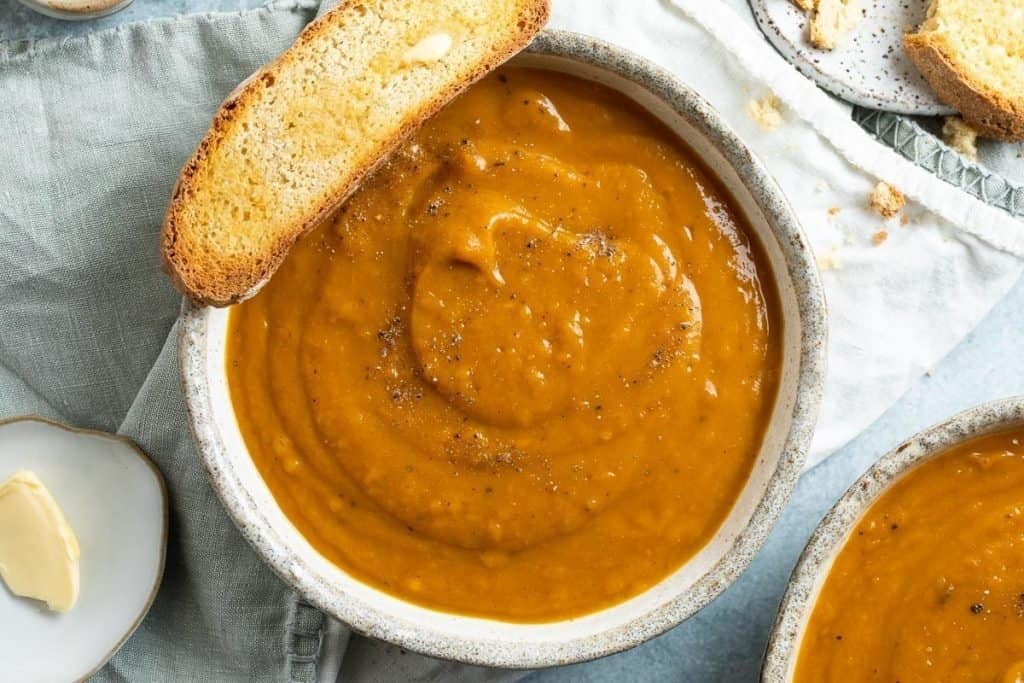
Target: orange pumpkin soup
526	370
930	584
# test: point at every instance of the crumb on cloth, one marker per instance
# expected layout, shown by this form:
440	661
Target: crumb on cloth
828	261
960	136
879	237
765	112
886	200
833	211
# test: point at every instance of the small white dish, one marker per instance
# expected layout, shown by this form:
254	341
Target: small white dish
114	498
76	10
869	67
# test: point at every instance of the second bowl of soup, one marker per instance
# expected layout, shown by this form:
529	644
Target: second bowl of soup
916	574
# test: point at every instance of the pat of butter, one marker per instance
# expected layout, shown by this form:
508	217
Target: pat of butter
430	49
38	549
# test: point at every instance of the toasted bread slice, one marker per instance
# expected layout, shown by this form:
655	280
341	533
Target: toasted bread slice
294	140
972	54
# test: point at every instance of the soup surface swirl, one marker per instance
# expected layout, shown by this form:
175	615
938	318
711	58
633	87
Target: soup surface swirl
526	370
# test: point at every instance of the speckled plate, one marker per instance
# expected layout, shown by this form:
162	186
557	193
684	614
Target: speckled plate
113	497
495	643
76	10
830	536
869	66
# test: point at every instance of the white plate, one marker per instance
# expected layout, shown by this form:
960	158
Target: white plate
114	499
93	10
869	67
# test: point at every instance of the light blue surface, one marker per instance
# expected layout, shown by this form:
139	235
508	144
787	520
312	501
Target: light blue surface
725	641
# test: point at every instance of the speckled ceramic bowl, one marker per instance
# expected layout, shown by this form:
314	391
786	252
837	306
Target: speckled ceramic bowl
495	643
830	536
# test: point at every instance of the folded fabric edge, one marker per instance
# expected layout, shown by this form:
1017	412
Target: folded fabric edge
305	641
907	137
13	51
992	225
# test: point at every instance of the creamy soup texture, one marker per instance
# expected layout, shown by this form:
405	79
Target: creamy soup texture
526	370
930	584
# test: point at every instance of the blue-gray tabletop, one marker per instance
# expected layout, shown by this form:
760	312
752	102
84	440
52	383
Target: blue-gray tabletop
725	641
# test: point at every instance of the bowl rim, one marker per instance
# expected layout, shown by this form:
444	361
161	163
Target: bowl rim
832	531
798	268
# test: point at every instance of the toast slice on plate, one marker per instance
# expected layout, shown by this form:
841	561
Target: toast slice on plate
972	54
298	136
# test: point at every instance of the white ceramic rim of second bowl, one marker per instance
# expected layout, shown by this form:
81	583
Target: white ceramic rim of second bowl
801	275
830	535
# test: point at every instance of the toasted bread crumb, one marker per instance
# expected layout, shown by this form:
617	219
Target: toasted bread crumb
833	211
829	261
904	220
961	136
832	21
886	200
765	112
879	237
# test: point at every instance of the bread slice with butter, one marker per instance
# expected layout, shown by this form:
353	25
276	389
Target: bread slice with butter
972	54
298	136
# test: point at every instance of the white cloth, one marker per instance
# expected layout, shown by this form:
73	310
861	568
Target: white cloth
895	308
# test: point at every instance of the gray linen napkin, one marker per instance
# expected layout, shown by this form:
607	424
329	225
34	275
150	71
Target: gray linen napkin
93	131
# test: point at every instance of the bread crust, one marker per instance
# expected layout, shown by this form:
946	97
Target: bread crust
989	112
235	282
